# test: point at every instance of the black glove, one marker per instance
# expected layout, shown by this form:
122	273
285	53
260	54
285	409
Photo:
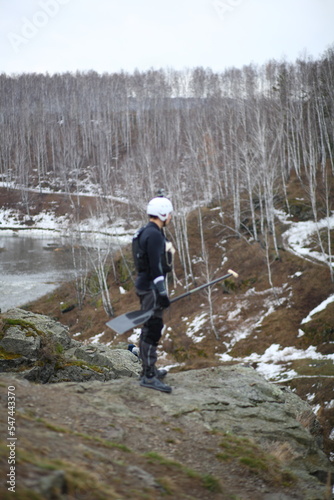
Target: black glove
163	301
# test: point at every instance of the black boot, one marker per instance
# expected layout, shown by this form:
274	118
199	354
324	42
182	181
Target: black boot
150	379
160	373
155	383
148	356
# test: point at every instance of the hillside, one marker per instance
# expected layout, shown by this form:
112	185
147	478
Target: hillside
256	318
247	158
80	426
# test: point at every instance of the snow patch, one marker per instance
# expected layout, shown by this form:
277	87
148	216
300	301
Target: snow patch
195	326
319	308
272	363
96	338
134	337
298	236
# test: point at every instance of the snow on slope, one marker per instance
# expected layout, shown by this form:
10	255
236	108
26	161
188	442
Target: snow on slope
319	308
273	363
95	227
297	238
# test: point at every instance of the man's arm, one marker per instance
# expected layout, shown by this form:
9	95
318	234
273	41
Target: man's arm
155	248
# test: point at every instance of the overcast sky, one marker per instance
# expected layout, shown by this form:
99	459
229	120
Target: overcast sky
110	35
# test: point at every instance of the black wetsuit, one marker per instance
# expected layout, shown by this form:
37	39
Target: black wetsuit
152	242
150	283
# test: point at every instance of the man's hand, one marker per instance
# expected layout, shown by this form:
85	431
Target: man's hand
163	301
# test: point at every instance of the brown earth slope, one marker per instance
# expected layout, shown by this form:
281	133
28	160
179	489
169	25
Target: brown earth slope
299	286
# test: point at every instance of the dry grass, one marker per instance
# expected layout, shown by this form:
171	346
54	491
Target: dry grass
302	294
283	451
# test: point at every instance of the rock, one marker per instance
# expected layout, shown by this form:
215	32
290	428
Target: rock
277	496
142	478
17	341
121	362
38	324
154	441
205	408
41	350
13	363
41	374
50	484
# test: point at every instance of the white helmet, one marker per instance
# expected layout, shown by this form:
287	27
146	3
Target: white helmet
160	207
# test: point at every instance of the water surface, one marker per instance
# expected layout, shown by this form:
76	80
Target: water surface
31	267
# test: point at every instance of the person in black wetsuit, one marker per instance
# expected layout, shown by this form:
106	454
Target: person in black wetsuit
153	259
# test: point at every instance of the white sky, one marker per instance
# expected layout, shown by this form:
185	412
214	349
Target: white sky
110	35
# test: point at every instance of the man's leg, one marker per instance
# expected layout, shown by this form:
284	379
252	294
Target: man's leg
149	340
148	356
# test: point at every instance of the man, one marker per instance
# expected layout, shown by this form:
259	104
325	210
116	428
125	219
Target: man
153	261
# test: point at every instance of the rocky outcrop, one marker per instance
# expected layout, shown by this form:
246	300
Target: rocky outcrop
41	350
224	432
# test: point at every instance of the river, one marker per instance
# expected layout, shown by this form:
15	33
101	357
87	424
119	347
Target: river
31	267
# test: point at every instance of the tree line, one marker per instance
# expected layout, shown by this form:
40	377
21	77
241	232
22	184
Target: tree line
206	137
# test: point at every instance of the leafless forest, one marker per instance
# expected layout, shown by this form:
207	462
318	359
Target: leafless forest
205	137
